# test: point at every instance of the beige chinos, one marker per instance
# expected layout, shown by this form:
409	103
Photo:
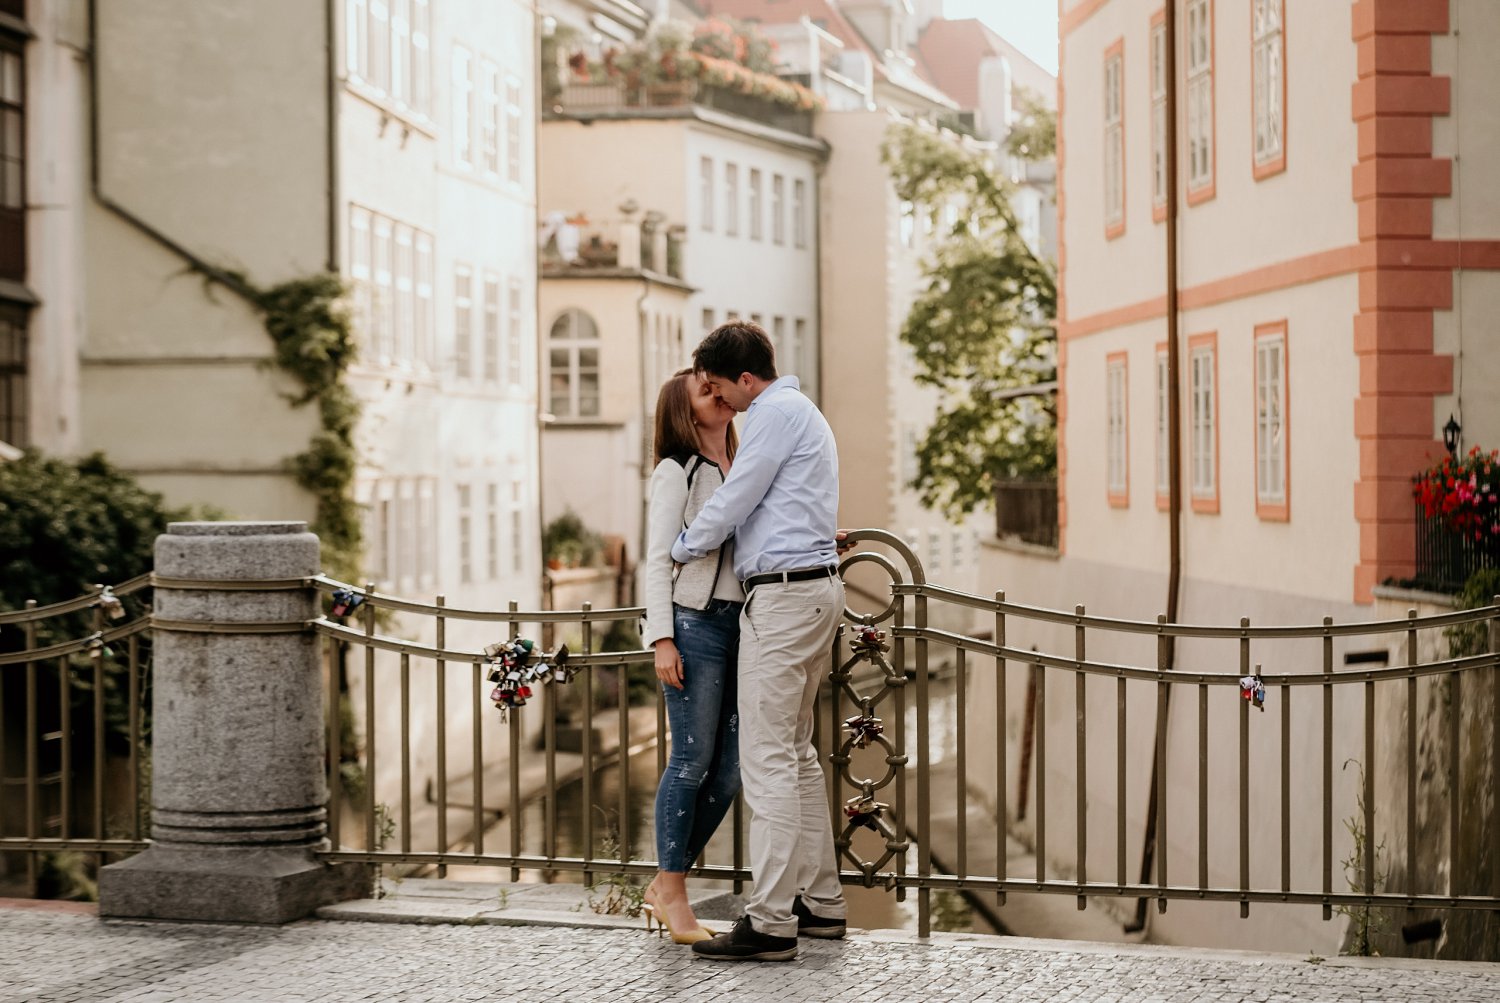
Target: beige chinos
786	640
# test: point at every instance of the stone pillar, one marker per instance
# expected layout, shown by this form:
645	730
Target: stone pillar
238	794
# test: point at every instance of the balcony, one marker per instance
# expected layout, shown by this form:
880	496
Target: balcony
646	243
618	98
1447	558
1026	512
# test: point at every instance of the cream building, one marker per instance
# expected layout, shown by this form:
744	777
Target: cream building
406	166
389	141
1337	269
738	191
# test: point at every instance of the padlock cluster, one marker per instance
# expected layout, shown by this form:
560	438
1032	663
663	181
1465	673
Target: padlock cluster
863	730
110	604
516	666
867	641
1253	690
346	601
864	810
95	646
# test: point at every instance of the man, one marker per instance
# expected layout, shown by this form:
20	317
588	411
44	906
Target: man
780	502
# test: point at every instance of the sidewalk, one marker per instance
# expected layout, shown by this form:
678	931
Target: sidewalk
57	954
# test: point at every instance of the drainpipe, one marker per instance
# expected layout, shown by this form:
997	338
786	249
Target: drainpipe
1174	448
330	24
647	436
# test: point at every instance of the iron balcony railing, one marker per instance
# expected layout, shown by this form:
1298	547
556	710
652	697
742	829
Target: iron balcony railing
1249	807
616	97
1447	559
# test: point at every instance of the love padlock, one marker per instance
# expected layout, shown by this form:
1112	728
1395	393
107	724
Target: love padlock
867	640
864	811
110	604
1253	690
346	601
863	730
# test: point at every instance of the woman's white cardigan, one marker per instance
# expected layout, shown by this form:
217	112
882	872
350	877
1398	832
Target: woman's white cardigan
680	486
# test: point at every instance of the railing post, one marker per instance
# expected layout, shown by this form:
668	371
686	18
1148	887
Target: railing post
239	797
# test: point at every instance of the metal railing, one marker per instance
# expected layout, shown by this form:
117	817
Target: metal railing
1446	559
909	721
73	690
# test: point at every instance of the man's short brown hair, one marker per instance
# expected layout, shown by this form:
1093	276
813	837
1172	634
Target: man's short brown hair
739	346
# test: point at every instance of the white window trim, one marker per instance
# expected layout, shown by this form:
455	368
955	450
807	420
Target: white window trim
1204	414
1114	140
706	194
463	107
1200	94
1268	55
1117	432
1270	422
1158	116
1163	432
731	200
573	343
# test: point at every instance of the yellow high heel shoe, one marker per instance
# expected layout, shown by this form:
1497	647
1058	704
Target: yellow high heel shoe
663	922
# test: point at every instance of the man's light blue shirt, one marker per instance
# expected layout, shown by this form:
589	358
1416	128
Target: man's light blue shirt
781	499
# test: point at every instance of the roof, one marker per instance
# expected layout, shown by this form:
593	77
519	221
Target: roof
952	51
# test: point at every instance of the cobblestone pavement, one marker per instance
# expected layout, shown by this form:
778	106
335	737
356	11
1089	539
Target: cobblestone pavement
50	955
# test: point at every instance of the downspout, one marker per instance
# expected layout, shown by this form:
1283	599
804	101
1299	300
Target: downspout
536	302
1174	451
209	271
646	437
822	167
330	22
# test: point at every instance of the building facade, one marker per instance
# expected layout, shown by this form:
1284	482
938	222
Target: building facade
1336	264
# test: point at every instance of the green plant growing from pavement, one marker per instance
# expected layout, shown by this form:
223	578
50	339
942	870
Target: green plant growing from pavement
616	893
1366	923
981	330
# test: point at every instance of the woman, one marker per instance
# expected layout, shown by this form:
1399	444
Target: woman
693	622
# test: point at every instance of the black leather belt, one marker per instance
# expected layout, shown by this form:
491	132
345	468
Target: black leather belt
779	577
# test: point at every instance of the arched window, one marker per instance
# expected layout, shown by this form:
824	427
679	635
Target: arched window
573	366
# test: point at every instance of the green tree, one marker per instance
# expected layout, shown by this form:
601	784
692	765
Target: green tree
980	330
1033	136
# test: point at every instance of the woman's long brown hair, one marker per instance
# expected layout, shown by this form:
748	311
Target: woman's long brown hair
676	435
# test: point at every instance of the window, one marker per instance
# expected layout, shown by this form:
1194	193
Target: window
491	327
422	281
1268	86
1271	441
706	193
908	223
731	200
377	531
778	209
934	552
513	334
463	322
400	89
1200	99
778	342
406	529
513	130
757	209
421	56
12	131
799	212
799	345
1163	437
708	320
1158	117
909	442
1117	442
387	49
573	364
359	266
489	118
517	547
1114	140
1204	444
492	530
405	301
463	106
427	528
383	303
14	399
757	320
465	536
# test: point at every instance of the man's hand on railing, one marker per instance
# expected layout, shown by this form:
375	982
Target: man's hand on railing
842	542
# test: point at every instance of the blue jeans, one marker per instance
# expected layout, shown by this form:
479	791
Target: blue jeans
703	772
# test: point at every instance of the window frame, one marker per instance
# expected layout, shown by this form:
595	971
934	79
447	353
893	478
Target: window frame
491	113
731	199
463	321
799	213
778	210
490	333
757	204
1266	166
1157	53
707	193
1201	87
514	130
515	319
1204	493
15	375
1114	140
574	344
462	108
1117	428
1272	506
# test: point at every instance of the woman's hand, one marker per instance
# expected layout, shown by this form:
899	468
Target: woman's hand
668	663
